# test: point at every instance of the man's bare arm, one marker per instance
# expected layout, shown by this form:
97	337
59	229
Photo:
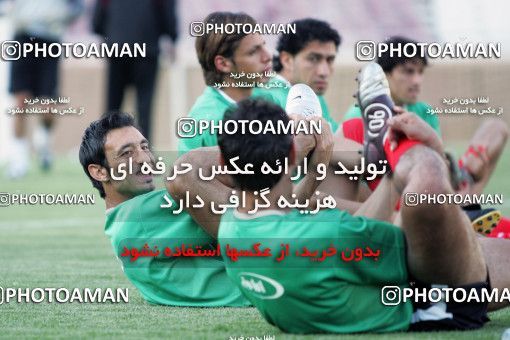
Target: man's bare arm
217	190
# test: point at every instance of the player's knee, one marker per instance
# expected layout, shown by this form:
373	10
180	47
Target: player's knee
496	127
427	170
503	130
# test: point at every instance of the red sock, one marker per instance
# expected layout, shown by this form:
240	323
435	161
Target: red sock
394	156
353	129
502	230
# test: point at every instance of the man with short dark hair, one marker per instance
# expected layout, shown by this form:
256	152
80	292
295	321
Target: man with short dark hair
405	77
474	169
222	55
305	57
135	218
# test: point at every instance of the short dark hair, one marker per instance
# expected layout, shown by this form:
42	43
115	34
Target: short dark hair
388	63
307	30
256	148
211	44
92	142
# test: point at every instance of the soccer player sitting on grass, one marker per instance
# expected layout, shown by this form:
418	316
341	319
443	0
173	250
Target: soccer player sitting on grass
221	55
305	57
134	218
433	244
308	57
405	77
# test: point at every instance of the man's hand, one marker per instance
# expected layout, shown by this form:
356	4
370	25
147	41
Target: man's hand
303	143
324	144
413	127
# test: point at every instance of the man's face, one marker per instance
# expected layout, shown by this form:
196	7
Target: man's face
120	145
405	81
252	56
313	65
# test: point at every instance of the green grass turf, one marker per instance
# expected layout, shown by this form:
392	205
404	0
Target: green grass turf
52	246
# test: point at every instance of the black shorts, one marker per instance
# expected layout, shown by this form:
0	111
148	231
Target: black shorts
451	315
38	76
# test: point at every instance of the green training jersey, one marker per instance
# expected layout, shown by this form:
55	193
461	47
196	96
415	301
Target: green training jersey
419	108
314	293
175	281
210	106
277	91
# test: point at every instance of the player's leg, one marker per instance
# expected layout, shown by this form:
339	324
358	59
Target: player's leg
496	253
21	86
118	79
484	151
46	87
341	187
19	157
442	246
145	71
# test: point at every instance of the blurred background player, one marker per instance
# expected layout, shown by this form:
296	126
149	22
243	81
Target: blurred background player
133	21
405	77
221	54
41	22
306	57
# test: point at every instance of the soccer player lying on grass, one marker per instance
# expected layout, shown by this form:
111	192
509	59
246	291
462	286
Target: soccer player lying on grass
405	77
134	218
434	244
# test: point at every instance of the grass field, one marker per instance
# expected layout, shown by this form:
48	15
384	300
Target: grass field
52	246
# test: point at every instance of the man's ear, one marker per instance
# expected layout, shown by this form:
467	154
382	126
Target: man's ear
222	64
98	172
287	60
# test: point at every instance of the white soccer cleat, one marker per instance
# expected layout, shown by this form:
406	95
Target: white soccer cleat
302	100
